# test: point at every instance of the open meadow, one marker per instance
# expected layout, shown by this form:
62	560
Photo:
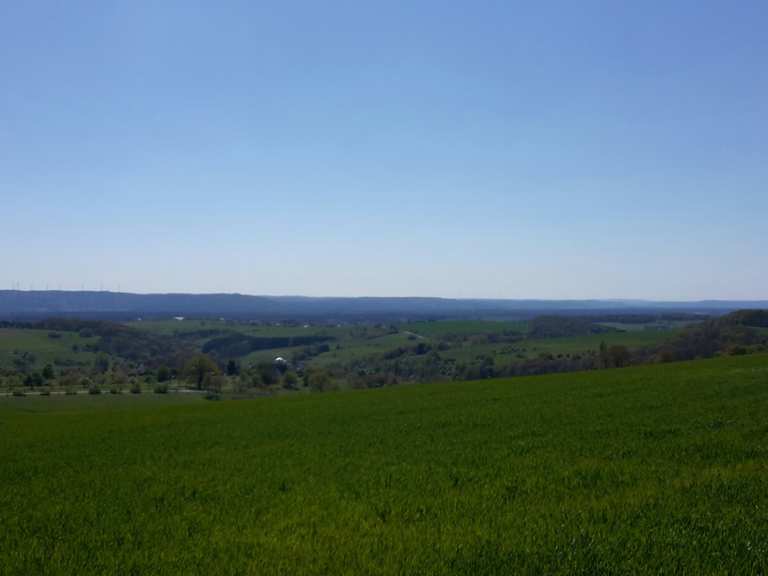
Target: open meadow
36	348
642	470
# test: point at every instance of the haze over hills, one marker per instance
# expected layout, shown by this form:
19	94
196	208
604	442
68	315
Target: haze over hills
16	304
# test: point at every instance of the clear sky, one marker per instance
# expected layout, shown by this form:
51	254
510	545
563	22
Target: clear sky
463	149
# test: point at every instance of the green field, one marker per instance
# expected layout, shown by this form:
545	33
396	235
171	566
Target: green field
180	327
355	349
462	327
43	347
650	470
531	348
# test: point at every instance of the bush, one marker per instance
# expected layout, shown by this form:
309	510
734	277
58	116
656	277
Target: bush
94	389
34	379
70	392
290	380
161	388
45	392
18	392
212	396
318	379
239	384
114	390
214	383
135	388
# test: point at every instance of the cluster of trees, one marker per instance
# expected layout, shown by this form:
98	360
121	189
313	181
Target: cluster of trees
736	333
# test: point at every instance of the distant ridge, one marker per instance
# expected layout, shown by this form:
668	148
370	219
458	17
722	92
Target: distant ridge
19	304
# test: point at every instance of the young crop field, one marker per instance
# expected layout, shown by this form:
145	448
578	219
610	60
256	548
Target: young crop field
648	470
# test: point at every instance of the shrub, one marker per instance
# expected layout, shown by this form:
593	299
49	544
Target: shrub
114	390
290	380
34	379
94	389
214	383
18	392
161	388
239	384
70	392
318	379
135	388
45	392
212	396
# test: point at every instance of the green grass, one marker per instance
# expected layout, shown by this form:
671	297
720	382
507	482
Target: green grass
267	355
44	348
171	327
660	469
439	328
358	349
505	352
175	327
570	345
659	325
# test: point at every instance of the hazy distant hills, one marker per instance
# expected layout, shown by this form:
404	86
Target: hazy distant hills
15	304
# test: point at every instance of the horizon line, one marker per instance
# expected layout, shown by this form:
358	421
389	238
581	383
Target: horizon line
411	297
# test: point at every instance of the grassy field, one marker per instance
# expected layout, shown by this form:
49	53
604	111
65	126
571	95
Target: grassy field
355	349
177	327
659	469
659	325
531	348
463	327
43	347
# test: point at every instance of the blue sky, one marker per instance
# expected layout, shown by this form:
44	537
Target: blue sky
461	149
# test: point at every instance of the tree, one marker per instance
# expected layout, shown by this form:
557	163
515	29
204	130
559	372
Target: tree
255	380
163	374
34	379
23	361
101	365
317	379
266	372
70	379
214	381
619	356
119	377
233	368
290	379
198	368
48	372
604	358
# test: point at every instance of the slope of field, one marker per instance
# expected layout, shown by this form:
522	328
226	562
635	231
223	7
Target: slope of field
44	346
660	469
531	348
463	327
